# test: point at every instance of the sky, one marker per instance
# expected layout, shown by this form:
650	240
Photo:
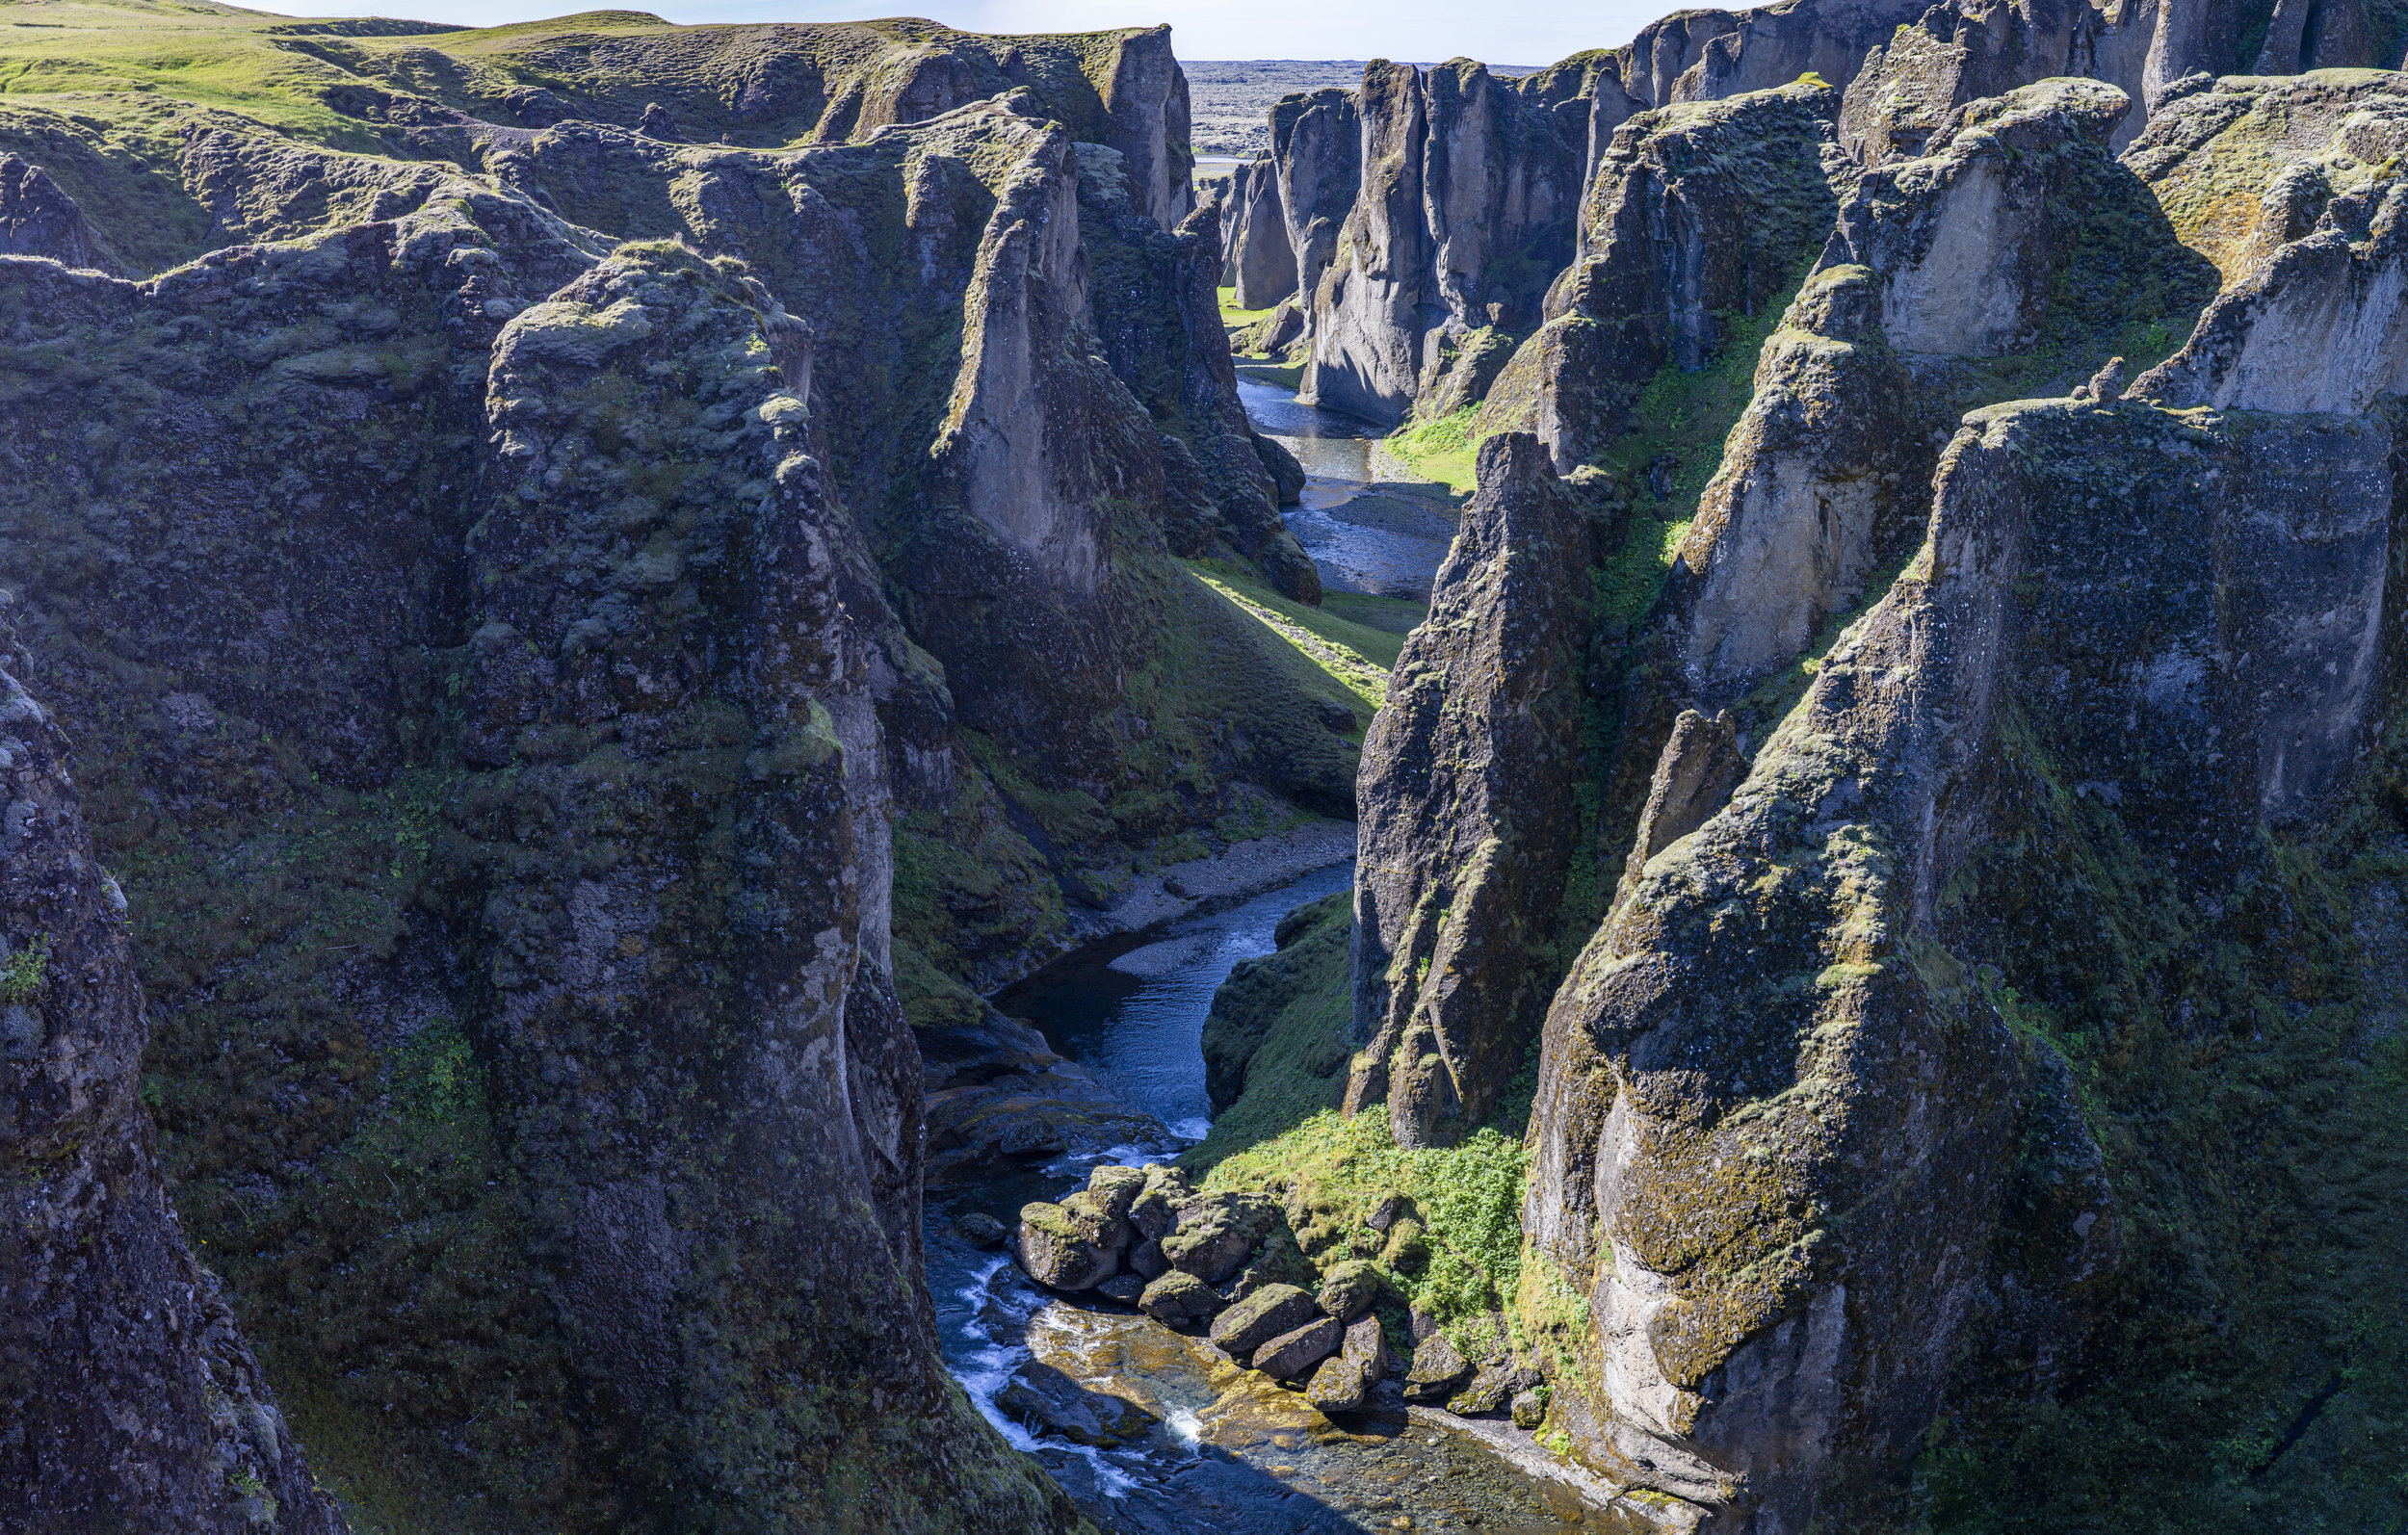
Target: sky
1523	32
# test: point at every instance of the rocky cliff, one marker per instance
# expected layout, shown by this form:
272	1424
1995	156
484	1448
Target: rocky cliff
578	665
1464	214
1995	758
133	1400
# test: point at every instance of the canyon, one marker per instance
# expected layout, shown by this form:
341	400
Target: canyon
611	633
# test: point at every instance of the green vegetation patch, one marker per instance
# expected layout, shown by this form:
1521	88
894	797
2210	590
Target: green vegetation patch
1356	655
1443	450
1458	1255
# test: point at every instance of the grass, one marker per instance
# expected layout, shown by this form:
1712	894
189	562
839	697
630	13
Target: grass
1284	1137
1355	654
1236	318
1443	450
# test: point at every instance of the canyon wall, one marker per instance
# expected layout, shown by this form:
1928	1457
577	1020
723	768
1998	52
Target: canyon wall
2028	634
559	657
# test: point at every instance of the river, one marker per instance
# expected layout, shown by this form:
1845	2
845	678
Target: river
1384	537
1154	1433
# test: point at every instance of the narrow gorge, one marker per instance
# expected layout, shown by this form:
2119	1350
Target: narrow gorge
762	777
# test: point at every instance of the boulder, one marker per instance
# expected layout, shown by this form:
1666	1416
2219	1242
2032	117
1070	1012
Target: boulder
1438	1370
1125	1288
1276	1262
1180	1300
1042	1395
1366	1346
1146	1260
1058	1250
1391	1208
1338	1386
1530	1409
1294	1352
1491	1389
1095	1216
1217	1233
1266	1313
981	1230
1155	1211
1116	1189
1407	1250
1348	1289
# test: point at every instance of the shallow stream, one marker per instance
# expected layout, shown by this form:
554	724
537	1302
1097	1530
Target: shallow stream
1177	1440
1381	537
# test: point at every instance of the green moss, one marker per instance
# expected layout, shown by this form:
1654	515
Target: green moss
22	975
1355	655
1282	1136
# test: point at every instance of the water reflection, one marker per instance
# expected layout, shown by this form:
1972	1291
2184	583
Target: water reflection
1385	538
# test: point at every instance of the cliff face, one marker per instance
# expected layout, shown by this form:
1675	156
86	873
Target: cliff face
1469	824
132	1399
1317	138
2004	745
562	710
1469	183
1262	261
1697	214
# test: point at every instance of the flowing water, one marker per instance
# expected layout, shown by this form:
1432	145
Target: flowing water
1383	537
1155	1433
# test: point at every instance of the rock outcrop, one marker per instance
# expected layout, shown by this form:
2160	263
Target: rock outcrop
552	601
1469	187
1696	212
1817	1126
1966	253
1261	263
1960	52
1317	140
39	220
1469	810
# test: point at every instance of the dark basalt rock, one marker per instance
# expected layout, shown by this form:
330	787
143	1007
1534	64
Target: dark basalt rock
1292	1353
131	1397
1468	809
1269	1313
1438	1370
1180	1300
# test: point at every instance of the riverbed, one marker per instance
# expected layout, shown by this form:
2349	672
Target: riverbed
1382	538
1153	1432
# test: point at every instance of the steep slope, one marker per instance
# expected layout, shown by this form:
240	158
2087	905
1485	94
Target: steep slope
132	1399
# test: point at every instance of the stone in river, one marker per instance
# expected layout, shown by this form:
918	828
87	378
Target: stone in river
1058	1250
1338	1386
1265	1315
981	1229
1180	1300
1122	1288
1292	1353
